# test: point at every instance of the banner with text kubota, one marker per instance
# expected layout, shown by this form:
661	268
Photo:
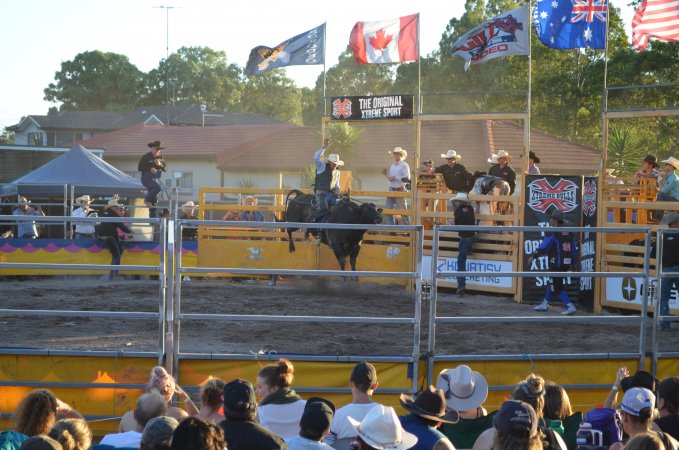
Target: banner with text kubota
545	194
372	108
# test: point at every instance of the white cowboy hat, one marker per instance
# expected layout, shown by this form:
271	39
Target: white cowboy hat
503	154
464	389
334	158
113	202
460	197
452	154
23	200
672	161
492	159
381	429
404	154
188	205
610	171
83	199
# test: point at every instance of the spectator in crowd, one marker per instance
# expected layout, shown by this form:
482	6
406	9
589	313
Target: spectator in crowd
251	216
561	250
612	178
558	414
188	212
398	175
231	216
668	407
645	441
108	233
26	228
649	168
313	426
381	430
194	434
363	383
516	427
638	410
40	442
427	414
669	186
533	161
211	401
465	391
167	386
151	166
670	265
241	430
327	181
455	175
72	434
280	408
149	405
82	229
463	214
503	170
157	433
624	382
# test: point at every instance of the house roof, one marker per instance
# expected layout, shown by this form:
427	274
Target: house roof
109	121
222	142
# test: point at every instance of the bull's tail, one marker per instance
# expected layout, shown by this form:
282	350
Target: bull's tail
296	193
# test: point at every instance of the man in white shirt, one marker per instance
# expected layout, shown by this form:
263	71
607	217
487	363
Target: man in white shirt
363	382
149	405
398	175
84	230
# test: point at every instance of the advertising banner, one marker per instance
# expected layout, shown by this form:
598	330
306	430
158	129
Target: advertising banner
372	108
588	246
480	271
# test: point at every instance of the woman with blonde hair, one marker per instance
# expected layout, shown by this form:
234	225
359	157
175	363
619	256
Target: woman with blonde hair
645	441
166	385
280	408
211	401
72	434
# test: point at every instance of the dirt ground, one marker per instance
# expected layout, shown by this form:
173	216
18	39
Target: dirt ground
290	297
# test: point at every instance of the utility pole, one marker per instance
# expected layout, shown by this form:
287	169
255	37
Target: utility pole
167	60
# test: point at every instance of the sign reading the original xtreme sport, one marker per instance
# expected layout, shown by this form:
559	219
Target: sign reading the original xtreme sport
372	108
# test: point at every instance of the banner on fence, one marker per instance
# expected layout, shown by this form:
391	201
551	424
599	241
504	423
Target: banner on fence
480	271
372	108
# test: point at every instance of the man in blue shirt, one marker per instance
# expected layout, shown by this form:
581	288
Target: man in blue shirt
25	228
669	187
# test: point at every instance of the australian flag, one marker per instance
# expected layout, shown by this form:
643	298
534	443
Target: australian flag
571	23
307	48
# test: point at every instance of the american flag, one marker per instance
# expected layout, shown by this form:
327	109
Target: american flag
655	19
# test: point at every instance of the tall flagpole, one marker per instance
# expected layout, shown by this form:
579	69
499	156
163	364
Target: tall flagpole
604	97
325	38
419	69
530	87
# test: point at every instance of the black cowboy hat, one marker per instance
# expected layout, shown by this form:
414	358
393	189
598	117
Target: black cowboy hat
652	160
429	404
534	157
155	144
641	379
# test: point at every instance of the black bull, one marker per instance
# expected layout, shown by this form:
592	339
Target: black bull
299	208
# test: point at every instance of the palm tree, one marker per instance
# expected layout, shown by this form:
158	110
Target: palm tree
343	140
624	152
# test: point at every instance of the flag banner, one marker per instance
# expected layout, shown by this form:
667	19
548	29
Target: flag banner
657	19
571	23
386	41
503	35
371	108
304	49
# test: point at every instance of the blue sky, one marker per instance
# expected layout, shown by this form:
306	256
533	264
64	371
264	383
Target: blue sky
37	36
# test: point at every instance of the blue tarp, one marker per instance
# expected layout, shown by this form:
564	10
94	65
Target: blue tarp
77	167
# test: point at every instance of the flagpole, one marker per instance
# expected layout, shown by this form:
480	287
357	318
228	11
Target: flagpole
530	87
325	38
604	97
419	69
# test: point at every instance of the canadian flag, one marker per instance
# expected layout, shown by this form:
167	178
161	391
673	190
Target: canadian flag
386	41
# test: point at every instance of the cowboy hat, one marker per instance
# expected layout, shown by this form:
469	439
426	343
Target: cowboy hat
429	404
652	160
382	430
503	154
534	157
155	144
334	158
459	197
188	205
672	161
83	199
113	202
610	171
23	200
404	154
451	154
464	389
493	159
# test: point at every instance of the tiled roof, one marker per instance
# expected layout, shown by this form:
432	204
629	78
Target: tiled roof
79	120
224	142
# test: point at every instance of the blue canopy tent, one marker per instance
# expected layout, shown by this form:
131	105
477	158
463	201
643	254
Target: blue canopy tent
79	170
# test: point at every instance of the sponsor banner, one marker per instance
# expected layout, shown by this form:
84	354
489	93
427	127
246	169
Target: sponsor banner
480	271
544	195
372	108
631	290
588	246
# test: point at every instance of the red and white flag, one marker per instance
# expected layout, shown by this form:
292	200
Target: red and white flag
386	41
657	19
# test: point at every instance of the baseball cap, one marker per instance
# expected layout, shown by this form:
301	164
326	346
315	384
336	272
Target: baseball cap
239	395
636	399
317	415
158	431
364	373
40	442
517	418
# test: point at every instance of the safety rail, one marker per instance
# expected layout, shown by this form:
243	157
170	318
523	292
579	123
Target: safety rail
434	320
662	278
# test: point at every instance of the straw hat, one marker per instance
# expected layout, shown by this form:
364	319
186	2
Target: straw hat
429	404
503	154
464	389
113	202
189	205
404	154
492	159
672	161
460	197
381	429
335	159
451	154
83	199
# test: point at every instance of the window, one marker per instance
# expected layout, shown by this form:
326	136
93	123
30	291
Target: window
186	180
35	138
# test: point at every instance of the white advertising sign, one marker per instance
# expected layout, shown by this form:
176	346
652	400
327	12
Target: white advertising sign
631	290
480	271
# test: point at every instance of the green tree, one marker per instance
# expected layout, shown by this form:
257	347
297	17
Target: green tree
274	95
624	152
343	140
7	137
95	81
